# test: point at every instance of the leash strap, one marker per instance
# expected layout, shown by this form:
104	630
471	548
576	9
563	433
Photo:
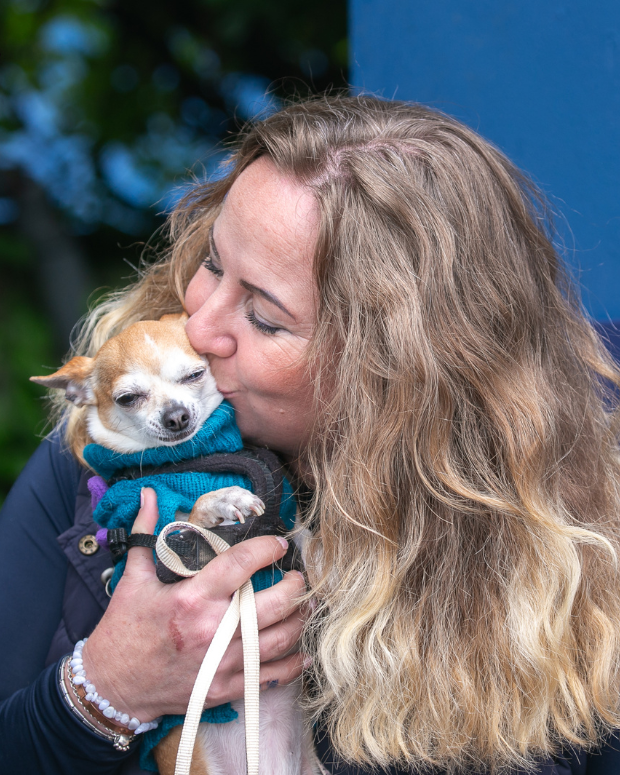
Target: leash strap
242	607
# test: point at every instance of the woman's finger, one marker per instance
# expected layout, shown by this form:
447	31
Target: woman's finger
140	557
276	603
281	639
278	673
231	569
283	671
275	642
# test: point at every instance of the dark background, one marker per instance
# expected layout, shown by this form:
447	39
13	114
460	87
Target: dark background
107	109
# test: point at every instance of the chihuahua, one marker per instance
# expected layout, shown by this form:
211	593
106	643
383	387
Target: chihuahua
148	387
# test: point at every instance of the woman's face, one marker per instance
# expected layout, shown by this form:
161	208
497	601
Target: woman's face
252	306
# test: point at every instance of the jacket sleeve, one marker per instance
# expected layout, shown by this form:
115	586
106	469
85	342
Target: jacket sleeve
38	733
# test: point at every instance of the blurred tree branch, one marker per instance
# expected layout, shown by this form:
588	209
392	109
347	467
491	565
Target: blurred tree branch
62	272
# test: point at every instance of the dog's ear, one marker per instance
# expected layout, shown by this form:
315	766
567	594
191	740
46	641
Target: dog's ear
74	379
182	317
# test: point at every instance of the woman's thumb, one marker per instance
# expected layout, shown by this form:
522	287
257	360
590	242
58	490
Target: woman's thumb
145	523
148	514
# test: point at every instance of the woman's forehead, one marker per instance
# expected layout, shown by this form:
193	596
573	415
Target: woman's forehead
269	215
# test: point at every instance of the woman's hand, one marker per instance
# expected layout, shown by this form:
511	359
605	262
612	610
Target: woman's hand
146	652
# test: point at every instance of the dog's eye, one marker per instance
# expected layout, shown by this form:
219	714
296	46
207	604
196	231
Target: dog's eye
193	377
128	399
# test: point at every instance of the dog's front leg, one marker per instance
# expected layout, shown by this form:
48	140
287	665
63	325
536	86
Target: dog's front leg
165	753
226	506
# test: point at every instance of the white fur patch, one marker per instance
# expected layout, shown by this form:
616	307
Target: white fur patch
150	341
286	746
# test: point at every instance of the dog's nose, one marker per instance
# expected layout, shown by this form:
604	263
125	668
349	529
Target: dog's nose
175	418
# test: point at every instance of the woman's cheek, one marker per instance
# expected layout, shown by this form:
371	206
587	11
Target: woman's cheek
277	372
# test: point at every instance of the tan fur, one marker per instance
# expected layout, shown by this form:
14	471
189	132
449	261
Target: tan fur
150	363
165	754
78	369
117	354
114	354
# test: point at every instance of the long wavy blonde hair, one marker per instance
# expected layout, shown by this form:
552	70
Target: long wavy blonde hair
465	522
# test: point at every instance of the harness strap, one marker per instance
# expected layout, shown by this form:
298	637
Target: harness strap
119	542
260	466
195	550
242	607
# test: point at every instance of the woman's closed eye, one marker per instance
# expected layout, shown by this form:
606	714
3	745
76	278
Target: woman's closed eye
256	322
208	264
263	327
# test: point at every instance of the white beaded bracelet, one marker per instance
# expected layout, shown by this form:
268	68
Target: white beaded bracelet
78	678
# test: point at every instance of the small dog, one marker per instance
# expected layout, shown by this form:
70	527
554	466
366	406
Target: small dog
145	388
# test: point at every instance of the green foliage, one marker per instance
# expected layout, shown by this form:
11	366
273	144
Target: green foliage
25	345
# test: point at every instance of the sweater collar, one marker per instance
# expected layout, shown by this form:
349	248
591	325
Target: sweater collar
218	434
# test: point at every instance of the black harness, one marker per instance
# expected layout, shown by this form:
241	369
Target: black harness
260	466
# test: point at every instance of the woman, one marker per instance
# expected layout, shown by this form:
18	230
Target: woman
379	300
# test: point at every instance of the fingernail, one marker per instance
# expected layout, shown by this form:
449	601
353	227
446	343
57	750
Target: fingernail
141	497
283	541
307	662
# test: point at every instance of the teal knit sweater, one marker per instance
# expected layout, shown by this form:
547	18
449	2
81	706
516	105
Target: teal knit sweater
177	492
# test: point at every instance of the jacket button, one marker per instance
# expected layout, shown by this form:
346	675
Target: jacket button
88	544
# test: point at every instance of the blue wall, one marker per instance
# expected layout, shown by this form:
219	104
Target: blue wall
539	79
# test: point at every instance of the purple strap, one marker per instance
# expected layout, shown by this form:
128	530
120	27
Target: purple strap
98	489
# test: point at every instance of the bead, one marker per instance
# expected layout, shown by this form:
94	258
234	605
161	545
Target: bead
153	724
78	676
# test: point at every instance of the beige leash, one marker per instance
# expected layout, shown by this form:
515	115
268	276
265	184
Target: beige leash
242	607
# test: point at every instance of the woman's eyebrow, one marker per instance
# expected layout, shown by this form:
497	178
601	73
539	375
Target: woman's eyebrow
266	295
248	286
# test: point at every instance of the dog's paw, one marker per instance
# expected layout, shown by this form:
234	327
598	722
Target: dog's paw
226	506
234	504
202	514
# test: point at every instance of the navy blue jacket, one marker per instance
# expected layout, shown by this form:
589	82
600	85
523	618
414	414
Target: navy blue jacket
41	569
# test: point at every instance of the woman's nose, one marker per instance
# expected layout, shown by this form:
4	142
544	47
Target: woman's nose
209	330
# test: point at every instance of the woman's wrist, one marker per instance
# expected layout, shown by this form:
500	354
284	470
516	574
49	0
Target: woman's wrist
107	673
92	705
119	739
